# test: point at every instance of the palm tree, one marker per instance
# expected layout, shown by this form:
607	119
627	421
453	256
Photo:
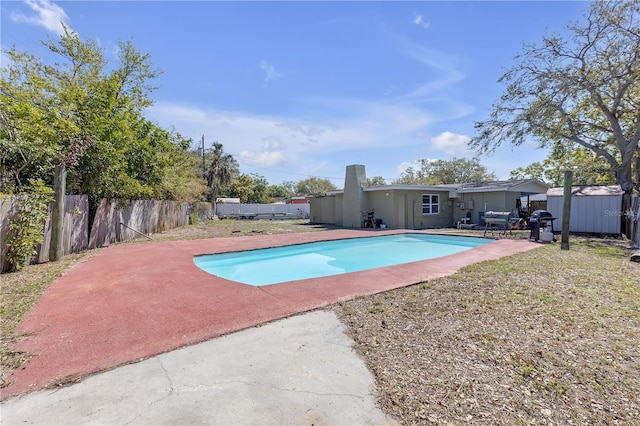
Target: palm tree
221	172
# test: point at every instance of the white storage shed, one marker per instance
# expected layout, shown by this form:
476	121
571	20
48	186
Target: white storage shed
594	209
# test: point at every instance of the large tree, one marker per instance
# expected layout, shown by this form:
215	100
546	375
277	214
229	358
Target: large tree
376	181
223	168
588	168
579	90
437	172
79	111
313	186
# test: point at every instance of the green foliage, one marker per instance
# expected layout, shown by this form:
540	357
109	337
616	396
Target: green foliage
255	189
277	192
260	190
313	186
88	115
441	172
376	181
587	167
242	188
223	168
290	187
579	91
26	229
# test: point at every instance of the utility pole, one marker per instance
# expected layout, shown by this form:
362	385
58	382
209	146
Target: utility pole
204	167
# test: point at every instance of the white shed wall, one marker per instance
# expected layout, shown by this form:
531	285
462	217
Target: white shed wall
590	214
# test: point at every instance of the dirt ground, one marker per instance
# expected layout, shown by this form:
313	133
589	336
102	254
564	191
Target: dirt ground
544	337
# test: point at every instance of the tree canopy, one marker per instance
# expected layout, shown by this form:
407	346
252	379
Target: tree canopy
582	90
223	169
440	172
80	112
313	186
376	181
588	169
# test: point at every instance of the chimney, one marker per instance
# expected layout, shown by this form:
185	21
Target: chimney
353	198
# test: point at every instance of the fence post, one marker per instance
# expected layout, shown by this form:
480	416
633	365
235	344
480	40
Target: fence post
57	213
566	210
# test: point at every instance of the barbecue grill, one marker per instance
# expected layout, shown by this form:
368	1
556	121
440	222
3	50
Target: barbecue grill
538	219
541	214
498	220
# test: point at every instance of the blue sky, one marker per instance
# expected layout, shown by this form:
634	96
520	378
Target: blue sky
299	89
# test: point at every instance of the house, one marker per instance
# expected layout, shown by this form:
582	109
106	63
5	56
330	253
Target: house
298	200
594	209
417	206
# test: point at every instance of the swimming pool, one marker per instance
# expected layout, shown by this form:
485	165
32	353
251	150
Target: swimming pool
324	258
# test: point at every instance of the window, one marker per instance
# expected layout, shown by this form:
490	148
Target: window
430	204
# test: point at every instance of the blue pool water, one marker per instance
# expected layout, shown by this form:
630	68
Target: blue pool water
289	263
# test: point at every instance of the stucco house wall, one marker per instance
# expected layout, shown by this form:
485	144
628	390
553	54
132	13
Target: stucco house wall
339	221
485	198
401	206
323	210
418	220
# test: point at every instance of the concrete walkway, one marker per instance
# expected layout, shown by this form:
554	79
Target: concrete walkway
296	371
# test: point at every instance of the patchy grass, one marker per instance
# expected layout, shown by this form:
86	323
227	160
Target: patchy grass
544	337
234	228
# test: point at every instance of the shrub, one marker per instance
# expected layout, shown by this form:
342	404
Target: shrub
26	228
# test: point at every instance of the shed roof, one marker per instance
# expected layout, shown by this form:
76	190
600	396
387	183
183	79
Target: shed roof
591	190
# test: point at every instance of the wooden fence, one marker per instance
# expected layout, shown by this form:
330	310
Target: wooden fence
113	222
117	221
75	227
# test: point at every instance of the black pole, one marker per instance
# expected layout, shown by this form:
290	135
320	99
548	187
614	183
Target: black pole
566	210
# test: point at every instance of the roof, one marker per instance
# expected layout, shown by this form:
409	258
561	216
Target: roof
533	186
443	188
502	185
592	190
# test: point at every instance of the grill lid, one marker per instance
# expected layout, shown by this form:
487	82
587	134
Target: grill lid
541	213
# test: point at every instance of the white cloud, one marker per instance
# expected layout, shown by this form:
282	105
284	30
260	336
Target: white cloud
339	128
264	159
47	14
269	141
452	144
419	21
444	66
270	72
402	167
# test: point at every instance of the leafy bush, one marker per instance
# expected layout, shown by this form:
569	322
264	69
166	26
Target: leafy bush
26	228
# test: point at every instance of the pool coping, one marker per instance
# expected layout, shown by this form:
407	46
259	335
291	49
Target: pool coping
131	302
236	258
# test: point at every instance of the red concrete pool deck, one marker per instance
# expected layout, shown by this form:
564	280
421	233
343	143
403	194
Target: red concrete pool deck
130	302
